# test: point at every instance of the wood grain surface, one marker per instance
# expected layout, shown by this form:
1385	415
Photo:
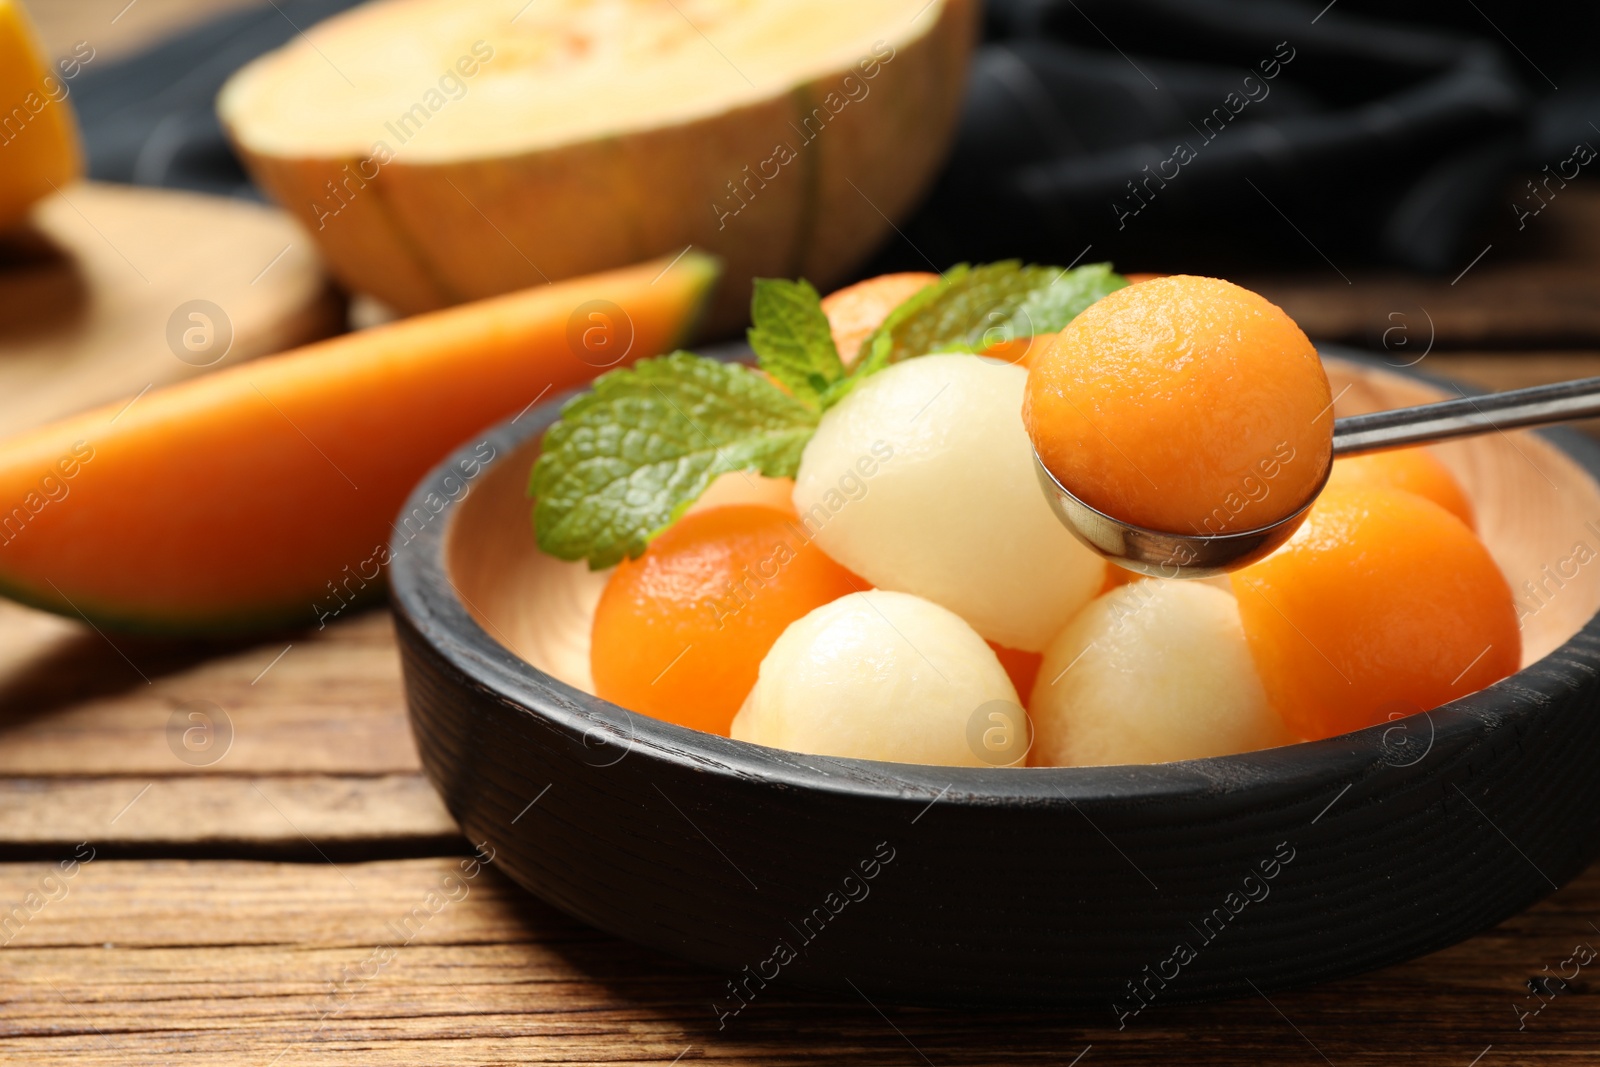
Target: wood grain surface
320	753
117	28
89	293
215	962
1537	286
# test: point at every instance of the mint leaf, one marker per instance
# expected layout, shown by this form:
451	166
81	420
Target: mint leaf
955	313
627	458
1049	309
792	340
971	308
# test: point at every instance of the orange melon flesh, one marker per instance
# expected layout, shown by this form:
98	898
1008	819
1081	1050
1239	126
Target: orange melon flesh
441	151
1382	602
264	495
1183	404
1021	667
38	135
1416	470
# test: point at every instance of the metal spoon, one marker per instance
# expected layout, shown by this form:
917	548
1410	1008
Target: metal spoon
1175	555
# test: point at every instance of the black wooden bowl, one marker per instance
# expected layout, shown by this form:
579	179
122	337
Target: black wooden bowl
1109	887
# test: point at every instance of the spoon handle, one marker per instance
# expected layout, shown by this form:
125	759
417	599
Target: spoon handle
1469	415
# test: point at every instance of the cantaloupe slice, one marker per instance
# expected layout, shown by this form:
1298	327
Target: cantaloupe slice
441	151
38	135
266	494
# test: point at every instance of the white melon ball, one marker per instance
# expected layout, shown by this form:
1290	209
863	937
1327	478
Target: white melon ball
922	481
885	676
1151	672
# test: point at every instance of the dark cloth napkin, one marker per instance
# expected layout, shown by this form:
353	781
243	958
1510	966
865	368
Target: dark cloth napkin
1160	134
1177	131
151	119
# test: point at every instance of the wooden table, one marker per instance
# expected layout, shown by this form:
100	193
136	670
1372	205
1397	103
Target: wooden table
258	903
230	913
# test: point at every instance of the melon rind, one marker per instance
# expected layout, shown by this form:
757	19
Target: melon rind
427	231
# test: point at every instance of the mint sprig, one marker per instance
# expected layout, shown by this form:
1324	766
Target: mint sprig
971	308
1049	309
792	339
628	457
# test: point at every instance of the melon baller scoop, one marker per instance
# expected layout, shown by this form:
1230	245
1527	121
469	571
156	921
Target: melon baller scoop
1164	554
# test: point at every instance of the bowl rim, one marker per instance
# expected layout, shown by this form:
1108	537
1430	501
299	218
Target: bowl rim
424	596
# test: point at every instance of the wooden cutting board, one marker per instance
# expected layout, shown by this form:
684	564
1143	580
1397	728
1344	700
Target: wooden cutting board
91	289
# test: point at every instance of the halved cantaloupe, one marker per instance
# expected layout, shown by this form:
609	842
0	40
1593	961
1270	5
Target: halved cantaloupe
38	135
440	151
264	494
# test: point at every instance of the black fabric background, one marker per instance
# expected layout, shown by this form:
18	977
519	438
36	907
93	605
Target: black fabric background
1389	137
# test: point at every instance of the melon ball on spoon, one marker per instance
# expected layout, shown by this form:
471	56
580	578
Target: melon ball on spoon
885	676
1151	672
922	481
1186	405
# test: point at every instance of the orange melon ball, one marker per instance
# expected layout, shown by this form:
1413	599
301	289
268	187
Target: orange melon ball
1416	470
680	632
856	310
1021	667
1183	404
1382	601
